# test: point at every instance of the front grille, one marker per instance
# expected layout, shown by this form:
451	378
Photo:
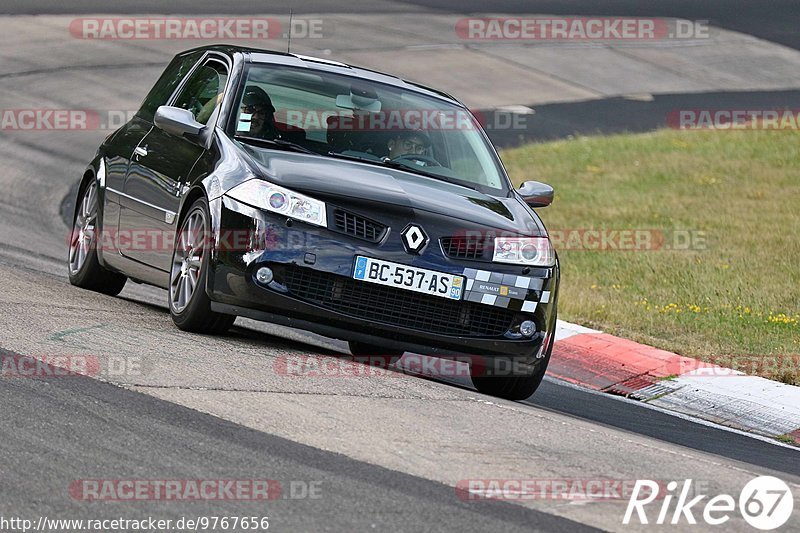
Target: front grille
463	247
396	307
358	226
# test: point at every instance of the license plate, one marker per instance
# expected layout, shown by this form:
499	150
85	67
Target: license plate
408	278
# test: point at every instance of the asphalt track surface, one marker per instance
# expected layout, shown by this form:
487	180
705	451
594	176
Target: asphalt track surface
386	453
776	20
153	439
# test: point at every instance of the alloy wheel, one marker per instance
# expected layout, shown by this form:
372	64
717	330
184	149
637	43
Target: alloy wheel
187	260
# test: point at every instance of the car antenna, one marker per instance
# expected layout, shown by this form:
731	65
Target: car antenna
289	42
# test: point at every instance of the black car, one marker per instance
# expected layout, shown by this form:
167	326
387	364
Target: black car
326	197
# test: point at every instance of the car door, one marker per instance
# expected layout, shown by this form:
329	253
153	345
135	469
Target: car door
160	166
118	152
118	149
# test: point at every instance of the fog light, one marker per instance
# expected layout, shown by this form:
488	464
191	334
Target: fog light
527	328
264	275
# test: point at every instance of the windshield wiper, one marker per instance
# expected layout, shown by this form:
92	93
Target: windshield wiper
384	162
375	160
276	143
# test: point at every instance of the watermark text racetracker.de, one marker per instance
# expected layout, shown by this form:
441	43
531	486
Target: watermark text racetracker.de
61	365
175	489
742	119
412	364
531	489
579	29
182	490
403	120
628	239
181	28
48	119
774	366
599	239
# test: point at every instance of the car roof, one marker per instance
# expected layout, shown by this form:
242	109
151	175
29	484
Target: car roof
259	55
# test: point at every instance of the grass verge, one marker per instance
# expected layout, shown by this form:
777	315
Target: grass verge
709	263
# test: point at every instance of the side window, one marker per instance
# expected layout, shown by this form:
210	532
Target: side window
166	84
203	90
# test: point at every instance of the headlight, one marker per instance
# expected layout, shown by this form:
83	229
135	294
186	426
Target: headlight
265	195
533	251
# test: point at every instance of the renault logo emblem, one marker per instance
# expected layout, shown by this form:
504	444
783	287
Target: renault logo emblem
414	238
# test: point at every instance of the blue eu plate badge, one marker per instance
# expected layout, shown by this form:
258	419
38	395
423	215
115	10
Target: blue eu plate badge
361	268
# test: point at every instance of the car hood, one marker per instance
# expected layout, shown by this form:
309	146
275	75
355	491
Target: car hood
335	180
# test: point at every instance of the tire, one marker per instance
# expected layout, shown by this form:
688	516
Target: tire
84	268
189	305
512	387
377	355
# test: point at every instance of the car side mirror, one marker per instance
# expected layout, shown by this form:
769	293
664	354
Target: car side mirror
536	193
177	121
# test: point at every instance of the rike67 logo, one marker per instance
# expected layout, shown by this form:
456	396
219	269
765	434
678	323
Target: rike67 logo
765	503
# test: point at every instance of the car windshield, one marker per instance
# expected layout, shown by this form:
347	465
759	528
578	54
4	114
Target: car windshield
346	117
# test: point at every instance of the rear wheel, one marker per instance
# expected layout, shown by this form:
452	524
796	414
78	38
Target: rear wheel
85	270
189	305
512	387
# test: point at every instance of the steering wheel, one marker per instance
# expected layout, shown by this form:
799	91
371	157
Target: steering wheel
417	159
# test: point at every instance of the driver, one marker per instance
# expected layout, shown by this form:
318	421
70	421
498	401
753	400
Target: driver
257	104
409	142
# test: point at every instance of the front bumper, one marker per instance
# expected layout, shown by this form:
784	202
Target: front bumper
313	289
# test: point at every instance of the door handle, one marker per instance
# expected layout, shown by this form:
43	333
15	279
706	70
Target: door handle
141	151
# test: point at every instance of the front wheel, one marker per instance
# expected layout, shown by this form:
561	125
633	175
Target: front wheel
189	305
513	387
85	270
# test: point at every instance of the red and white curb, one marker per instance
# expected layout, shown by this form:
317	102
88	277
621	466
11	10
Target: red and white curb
606	363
